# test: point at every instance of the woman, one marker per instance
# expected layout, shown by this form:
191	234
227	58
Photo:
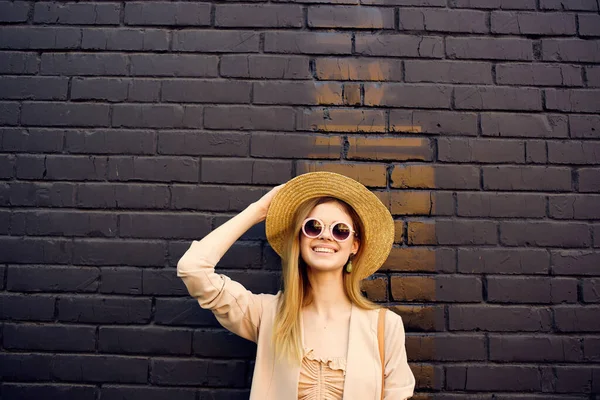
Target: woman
318	337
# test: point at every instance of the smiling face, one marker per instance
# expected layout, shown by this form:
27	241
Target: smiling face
324	253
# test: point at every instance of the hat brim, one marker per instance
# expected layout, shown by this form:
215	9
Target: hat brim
378	225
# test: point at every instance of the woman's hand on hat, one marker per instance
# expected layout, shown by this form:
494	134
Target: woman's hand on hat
263	204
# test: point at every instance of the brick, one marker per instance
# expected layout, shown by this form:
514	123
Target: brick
499	318
215	41
446	347
76	13
167	13
463	289
124	39
7	164
436	20
265	66
527	178
59	391
536	152
407	95
121	280
34	250
524	125
156	116
17	11
107	310
258	16
574	152
427	3
83	64
577	5
64	114
583	100
115	90
533	23
32	140
213	197
504	261
219	343
396	149
575	262
203	143
319	1
294	146
591	346
96	368
175	65
358	69
118	252
501	205
138	196
249	118
419	318
531	290
593	76
498	98
10	113
32	367
16	307
591	290
341	120
539	74
545	234
163	226
448	72
434	122
568	50
574	207
33	88
308	42
52	279
49	337
13	62
372	175
453	232
435	177
201	91
163	282
75	167
112	141
494	378
182	312
496	4
146	393
375	288
228	373
513	348
350	17
478	48
574	379
306	93
27	166
399	46
577	318
589	180
351	93
428	377
39	38
228	170
481	150
153	340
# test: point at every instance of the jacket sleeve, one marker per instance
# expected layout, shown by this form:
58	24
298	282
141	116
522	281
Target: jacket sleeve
235	307
399	379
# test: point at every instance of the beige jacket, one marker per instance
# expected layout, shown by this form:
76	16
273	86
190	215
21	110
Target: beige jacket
251	316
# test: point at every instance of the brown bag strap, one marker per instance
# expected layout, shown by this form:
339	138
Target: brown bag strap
381	342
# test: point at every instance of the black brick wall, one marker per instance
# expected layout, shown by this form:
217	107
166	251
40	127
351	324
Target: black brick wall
127	129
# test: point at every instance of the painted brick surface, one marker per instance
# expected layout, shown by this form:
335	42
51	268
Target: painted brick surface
128	129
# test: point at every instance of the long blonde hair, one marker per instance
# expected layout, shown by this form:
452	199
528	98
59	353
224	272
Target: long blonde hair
296	287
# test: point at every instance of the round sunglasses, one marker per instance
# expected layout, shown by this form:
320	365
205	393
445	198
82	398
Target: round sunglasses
314	227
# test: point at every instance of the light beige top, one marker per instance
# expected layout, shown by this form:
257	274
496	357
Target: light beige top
252	316
321	378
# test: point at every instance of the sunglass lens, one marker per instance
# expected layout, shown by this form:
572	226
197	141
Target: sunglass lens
341	231
313	228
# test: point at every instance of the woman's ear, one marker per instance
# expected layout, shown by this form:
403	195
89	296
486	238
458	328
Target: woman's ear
355	246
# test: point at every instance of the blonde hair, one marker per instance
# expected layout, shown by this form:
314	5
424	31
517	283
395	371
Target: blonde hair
296	287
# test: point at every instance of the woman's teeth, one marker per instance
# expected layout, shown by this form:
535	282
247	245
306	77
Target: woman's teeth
323	250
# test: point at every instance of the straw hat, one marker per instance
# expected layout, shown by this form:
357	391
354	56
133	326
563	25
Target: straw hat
378	235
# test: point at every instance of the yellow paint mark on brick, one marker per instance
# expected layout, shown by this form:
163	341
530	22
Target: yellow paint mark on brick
421	233
411	259
413	288
373	175
413	176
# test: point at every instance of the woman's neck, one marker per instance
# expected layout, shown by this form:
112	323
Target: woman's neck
327	294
